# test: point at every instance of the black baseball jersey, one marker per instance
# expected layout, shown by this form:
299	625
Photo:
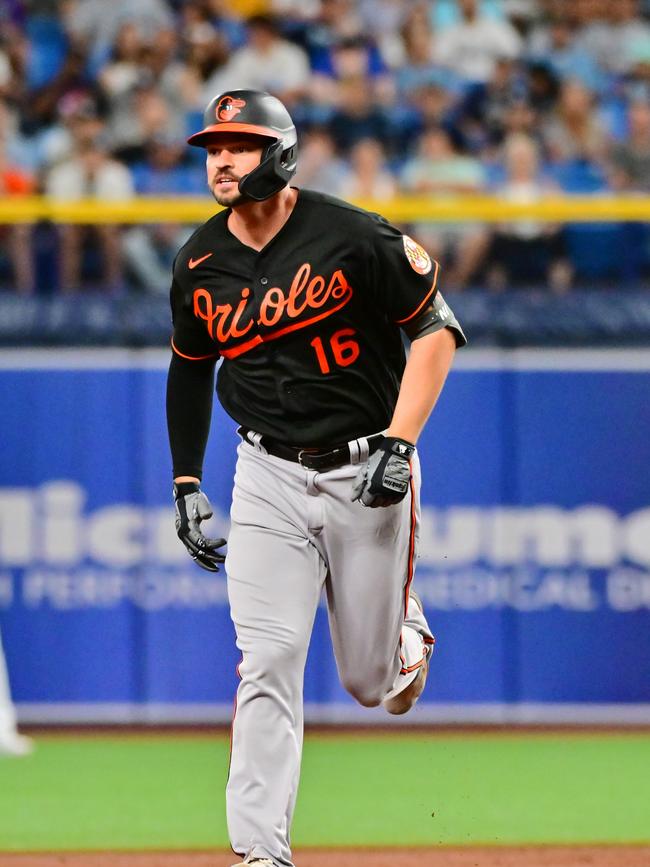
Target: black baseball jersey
309	327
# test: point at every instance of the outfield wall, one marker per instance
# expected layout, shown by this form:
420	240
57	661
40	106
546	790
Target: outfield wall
534	552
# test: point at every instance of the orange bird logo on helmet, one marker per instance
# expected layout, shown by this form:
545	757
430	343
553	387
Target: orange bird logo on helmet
228	107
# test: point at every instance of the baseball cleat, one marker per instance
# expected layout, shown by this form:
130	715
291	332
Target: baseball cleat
15	745
404	700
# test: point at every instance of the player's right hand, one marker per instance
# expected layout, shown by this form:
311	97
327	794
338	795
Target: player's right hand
192	507
384	479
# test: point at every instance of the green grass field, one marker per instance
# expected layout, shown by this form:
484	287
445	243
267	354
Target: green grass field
166	792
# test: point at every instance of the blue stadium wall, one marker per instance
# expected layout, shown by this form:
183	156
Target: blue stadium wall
534	551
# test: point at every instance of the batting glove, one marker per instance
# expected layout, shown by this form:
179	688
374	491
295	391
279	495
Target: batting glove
384	479
192	507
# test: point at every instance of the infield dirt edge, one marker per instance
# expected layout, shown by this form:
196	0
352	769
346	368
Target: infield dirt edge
605	855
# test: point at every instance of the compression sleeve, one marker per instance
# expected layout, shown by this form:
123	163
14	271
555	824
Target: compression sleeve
437	315
190	386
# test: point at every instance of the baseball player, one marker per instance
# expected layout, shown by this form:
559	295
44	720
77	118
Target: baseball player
304	299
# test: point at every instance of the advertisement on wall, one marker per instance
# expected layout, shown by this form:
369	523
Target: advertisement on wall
534	558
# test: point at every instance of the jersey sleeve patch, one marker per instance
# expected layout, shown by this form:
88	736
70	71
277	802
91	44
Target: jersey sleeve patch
418	257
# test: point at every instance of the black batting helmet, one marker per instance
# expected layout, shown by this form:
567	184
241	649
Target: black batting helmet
257	113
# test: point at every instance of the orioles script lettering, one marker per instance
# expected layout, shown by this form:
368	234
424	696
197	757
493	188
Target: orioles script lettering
308	300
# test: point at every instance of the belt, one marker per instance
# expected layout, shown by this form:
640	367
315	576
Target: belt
312	459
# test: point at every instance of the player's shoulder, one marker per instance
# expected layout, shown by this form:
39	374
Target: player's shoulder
345	213
207	233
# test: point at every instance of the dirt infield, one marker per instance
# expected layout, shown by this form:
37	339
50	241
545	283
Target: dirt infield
512	856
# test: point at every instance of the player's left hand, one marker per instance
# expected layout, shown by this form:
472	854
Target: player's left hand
192	507
384	479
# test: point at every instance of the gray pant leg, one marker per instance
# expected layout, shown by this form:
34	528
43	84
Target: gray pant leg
371	556
275	576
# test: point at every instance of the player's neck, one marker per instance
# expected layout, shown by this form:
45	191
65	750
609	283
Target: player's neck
256	223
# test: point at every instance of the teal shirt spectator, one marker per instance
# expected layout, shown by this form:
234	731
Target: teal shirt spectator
444	13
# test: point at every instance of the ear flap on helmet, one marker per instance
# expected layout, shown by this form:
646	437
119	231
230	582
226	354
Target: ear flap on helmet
274	172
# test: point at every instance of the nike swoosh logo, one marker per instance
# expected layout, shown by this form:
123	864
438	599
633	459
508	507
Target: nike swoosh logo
194	262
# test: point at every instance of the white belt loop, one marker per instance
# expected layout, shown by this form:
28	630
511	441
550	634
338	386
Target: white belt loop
359	450
255	439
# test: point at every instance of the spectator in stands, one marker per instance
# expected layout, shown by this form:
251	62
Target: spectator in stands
352	57
425	91
267	62
320	167
439	168
637	82
543	88
520	117
558	47
472	47
78	119
149	249
166	71
630	159
526	252
435	105
611	40
574	131
206	53
139	114
336	21
15	181
219	15
516	117
123	69
94	24
383	21
415	63
143	86
357	116
368	176
90	173
41	110
486	109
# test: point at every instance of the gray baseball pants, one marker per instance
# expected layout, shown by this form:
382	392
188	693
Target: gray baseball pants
293	532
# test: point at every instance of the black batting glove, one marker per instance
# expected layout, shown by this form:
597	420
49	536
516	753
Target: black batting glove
384	479
192	507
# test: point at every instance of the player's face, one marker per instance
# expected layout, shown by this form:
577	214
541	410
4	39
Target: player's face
228	159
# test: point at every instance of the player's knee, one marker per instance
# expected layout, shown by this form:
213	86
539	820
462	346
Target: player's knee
364	693
273	660
368	688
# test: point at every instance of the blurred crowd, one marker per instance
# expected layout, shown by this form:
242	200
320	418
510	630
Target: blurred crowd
517	97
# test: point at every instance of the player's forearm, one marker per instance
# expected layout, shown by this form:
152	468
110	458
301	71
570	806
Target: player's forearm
424	376
189	409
